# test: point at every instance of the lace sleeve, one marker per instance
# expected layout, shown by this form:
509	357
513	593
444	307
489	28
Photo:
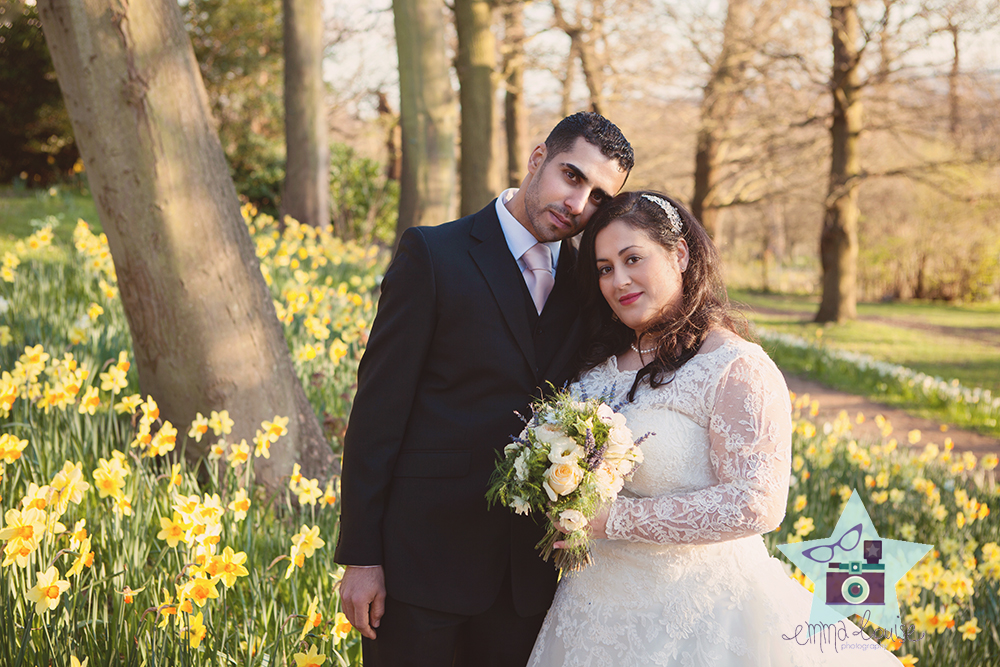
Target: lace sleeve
750	439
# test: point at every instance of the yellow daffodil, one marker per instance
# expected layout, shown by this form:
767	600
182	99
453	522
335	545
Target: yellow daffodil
341	626
90	402
262	445
228	566
970	629
201	589
308	540
220	423
803	526
94	311
11	447
195	631
240	505
199	427
75	662
313	619
309	492
311	659
173	531
47	590
128	404
84	559
114	380
238	453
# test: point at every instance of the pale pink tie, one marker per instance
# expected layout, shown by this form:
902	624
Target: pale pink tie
538	273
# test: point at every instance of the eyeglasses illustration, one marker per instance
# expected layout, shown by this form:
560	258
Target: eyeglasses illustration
848	541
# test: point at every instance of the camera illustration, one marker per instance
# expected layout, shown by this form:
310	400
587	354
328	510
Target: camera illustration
858	582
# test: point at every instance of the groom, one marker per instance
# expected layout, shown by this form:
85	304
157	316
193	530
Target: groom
475	317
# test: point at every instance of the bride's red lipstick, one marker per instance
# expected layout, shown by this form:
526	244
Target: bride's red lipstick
629	299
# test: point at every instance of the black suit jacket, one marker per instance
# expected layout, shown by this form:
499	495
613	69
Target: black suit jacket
455	350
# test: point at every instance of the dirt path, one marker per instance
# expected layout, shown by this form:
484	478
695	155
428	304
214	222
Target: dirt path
831	402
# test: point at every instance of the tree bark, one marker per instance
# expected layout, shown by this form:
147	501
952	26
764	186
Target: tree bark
203	324
427	113
720	96
584	37
306	194
476	65
954	111
839	238
515	112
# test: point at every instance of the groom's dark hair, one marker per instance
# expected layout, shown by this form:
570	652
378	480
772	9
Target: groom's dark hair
596	130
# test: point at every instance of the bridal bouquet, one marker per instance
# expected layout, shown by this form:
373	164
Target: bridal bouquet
571	460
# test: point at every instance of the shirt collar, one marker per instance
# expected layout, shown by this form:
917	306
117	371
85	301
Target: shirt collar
519	239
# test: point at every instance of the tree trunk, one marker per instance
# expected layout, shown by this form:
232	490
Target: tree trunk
476	65
306	194
953	109
427	112
720	96
569	80
390	124
839	239
515	113
584	37
203	324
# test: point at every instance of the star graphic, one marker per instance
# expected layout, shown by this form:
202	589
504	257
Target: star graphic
847	547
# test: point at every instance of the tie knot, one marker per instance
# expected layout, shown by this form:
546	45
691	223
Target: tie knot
538	258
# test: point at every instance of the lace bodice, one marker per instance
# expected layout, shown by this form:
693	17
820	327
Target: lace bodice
718	462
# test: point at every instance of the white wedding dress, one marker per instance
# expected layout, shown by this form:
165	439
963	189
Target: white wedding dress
685	577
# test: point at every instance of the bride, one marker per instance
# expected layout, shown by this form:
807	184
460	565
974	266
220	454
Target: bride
681	575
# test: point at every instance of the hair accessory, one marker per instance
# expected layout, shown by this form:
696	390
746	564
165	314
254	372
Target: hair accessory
672	215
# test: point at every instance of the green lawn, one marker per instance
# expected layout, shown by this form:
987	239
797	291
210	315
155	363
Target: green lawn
957	341
18	209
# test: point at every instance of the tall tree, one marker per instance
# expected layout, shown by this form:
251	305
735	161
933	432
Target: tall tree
586	33
721	93
515	112
839	238
203	324
306	194
427	114
476	64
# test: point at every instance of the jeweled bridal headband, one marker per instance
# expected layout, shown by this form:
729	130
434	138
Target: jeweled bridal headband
672	215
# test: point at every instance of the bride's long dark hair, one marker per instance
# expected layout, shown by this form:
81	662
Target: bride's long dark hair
678	334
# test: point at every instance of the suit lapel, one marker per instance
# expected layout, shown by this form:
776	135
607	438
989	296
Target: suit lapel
565	303
492	256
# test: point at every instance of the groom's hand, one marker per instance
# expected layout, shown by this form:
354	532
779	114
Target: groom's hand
362	595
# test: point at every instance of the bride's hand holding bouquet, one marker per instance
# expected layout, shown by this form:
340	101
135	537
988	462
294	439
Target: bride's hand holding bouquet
569	463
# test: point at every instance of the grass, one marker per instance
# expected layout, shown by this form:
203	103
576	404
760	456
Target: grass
943	350
19	208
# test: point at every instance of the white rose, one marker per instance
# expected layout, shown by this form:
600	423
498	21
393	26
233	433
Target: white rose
625	467
553	496
511	449
521	466
571	520
619	442
563	478
519	505
609	416
609	482
565	450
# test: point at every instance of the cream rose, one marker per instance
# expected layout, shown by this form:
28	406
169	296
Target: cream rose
570	520
563	478
608	481
511	449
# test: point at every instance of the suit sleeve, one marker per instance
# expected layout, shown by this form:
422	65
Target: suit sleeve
387	382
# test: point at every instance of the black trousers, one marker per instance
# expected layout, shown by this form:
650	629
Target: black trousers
411	636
